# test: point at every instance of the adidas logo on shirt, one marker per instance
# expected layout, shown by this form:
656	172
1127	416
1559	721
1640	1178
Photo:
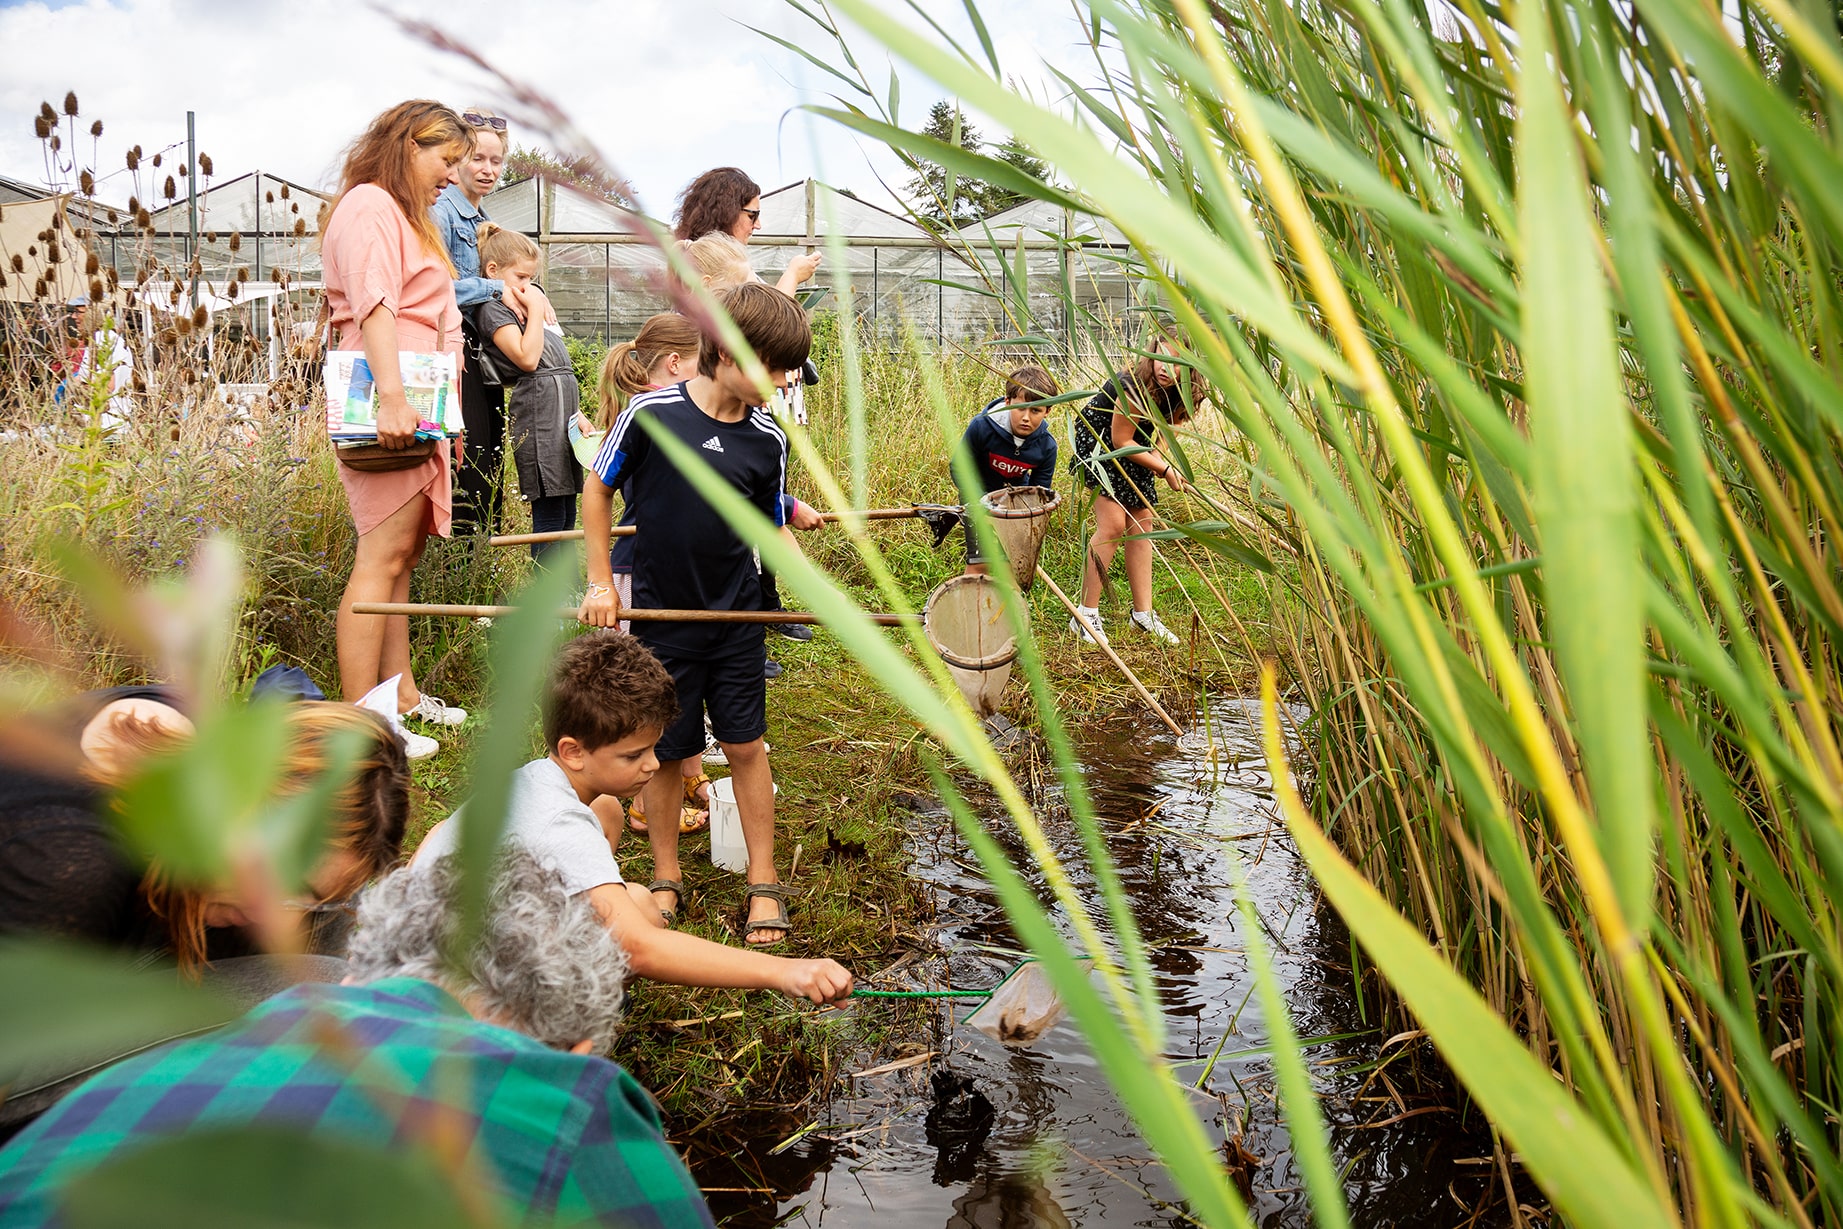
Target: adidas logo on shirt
713	444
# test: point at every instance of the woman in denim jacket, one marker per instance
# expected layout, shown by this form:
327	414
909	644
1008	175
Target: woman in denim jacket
458	217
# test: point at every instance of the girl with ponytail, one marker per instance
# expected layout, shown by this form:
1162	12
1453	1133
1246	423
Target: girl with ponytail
663	354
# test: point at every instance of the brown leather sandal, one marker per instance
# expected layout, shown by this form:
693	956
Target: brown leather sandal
777	893
677	889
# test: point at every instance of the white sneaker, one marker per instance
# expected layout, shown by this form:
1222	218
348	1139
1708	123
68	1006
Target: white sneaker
418	746
430	709
1091	619
1148	621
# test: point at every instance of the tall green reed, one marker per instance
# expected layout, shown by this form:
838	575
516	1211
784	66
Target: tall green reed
1543	365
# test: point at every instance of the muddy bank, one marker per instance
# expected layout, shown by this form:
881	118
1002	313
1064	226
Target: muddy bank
973	1133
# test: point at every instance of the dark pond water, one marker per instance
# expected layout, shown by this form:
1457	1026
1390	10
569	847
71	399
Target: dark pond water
1054	1147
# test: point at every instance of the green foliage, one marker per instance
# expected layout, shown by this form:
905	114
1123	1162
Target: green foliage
945	196
1528	328
586	358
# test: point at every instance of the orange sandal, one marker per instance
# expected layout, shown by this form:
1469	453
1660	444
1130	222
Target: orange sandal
690	819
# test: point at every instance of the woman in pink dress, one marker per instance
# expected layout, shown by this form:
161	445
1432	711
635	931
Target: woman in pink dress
390	288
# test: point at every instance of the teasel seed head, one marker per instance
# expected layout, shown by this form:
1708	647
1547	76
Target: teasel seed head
86	183
236	241
70	103
96	129
40	128
91	265
96	290
171	189
204	164
284	191
157	158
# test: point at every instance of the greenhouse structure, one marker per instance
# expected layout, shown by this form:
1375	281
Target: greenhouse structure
605	275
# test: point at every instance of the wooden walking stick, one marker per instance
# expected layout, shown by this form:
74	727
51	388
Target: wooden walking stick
927	512
450	611
1107	649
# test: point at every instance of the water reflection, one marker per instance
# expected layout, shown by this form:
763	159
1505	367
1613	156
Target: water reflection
1007	1201
1052	1146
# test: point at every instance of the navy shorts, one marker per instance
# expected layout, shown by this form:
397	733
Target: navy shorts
729	681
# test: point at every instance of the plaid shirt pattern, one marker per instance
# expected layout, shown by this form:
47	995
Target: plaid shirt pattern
570	1139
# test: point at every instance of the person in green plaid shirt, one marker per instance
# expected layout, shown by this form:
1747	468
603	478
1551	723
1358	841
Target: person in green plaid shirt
505	1046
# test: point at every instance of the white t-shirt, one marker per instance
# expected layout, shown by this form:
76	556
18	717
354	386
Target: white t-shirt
108	354
546	820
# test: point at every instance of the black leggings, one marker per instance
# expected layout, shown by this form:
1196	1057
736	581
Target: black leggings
550	513
483	416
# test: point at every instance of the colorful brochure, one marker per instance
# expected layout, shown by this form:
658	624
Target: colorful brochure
431	383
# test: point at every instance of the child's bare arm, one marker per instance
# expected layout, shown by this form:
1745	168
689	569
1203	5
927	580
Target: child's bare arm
686	960
599	607
523	346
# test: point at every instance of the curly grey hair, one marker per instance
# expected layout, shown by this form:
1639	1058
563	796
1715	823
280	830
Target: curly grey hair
543	963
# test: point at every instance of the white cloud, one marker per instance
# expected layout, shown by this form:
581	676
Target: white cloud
665	88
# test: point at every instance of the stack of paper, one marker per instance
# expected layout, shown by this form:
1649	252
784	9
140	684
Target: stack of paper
430	383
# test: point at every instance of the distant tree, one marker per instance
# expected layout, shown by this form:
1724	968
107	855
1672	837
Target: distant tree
526	162
972	198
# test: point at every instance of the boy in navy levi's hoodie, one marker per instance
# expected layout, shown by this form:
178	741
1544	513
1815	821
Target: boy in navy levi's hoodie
1010	445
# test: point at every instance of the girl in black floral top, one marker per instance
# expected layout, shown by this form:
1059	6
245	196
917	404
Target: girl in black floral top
1122	415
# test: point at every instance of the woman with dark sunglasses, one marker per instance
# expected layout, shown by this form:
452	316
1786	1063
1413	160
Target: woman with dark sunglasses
727	200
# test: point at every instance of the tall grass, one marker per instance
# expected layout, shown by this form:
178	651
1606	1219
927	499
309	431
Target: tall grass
1532	321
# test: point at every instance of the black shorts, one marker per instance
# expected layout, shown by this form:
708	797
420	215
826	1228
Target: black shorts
729	681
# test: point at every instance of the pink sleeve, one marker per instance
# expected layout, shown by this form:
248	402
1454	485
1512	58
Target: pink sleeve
363	253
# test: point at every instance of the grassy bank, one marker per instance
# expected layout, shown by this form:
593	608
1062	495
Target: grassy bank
845	755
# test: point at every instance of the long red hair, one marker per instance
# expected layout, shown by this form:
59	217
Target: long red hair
381	156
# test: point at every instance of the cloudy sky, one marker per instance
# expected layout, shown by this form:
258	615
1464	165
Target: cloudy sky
665	88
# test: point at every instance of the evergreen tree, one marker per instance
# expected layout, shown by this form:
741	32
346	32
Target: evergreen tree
972	198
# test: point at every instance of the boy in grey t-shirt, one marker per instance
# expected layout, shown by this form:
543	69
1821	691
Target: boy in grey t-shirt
608	701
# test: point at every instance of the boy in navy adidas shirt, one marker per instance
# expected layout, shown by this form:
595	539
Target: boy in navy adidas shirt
686	557
1009	445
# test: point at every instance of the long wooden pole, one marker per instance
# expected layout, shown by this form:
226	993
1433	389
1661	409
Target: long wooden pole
1112	656
448	611
621	531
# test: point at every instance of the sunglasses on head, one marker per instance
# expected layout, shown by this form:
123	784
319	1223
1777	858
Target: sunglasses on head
475	120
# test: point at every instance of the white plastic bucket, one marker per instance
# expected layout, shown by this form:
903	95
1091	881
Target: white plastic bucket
728	851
